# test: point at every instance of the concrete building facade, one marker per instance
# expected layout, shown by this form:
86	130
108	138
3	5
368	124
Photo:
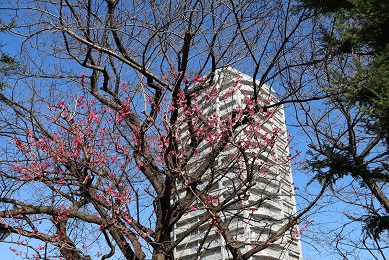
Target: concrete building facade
268	204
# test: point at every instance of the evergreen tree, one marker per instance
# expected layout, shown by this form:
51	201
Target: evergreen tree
359	33
361	28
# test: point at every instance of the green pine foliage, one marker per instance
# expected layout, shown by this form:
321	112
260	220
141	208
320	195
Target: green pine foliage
360	25
7	63
327	6
373	95
361	28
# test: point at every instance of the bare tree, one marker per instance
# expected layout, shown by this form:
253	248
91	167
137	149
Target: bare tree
110	132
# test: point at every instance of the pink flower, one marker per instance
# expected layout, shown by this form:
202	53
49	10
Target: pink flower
237	81
197	78
60	104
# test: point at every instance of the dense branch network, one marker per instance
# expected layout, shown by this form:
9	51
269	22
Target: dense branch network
124	141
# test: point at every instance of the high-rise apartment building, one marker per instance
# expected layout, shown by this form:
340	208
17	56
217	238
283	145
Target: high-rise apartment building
271	199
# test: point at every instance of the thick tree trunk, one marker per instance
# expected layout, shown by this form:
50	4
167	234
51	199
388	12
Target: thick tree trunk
377	192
